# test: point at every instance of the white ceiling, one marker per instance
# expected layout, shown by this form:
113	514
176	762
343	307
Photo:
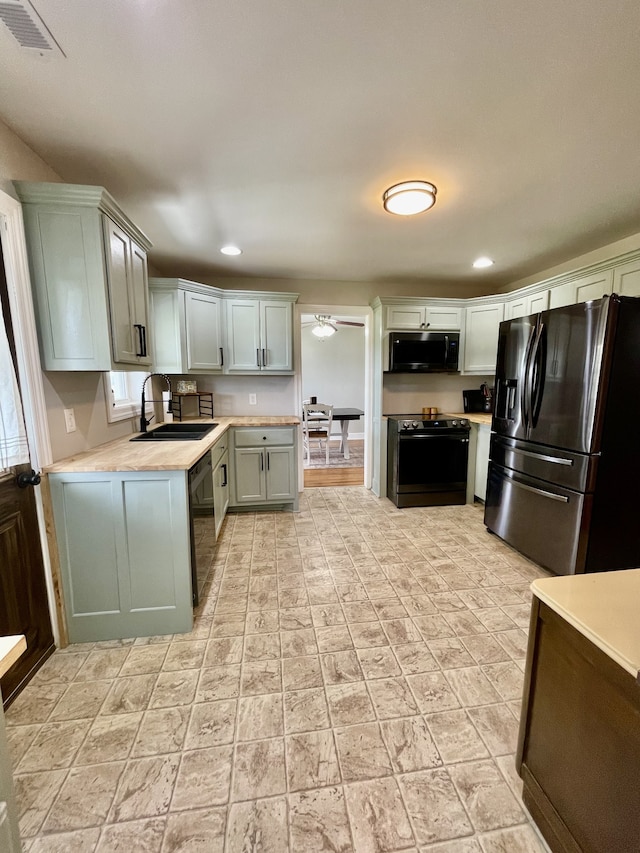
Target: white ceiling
277	124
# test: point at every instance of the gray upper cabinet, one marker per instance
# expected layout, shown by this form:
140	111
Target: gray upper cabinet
260	334
411	315
187	326
89	274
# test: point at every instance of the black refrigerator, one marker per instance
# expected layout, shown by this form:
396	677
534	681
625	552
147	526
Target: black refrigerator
564	471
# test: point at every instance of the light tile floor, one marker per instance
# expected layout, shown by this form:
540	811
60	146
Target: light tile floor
352	683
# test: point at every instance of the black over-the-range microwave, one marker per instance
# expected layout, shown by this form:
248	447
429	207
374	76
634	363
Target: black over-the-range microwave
423	352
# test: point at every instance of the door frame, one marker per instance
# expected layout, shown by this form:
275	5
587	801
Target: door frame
14	250
365	313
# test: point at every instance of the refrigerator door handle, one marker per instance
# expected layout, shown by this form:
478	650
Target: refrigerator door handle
561	498
526	385
538	362
556	459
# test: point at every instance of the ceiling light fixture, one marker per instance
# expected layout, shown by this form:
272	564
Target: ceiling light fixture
323	329
231	250
409	198
483	263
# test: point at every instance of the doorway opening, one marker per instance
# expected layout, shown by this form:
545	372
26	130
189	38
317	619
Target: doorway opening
335	371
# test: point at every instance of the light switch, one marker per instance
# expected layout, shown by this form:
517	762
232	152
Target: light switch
70	420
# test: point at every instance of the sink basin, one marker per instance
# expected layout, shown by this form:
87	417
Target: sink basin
176	432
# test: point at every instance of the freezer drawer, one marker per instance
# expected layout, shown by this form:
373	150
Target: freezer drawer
544	522
575	471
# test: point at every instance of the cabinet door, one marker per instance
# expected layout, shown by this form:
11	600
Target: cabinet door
281	483
203	323
127	342
515	308
481	337
139	284
124	553
276	335
221	490
249	473
538	302
243	335
438	318
411	317
626	279
593	286
482	461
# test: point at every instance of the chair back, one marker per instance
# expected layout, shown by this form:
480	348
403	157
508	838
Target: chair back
317	416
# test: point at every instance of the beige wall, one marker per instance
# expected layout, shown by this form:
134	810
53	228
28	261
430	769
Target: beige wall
604	253
84	392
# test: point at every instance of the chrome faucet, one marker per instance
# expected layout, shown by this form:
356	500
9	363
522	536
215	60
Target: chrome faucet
144	423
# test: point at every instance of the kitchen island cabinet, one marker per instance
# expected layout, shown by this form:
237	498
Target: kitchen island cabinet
88	266
579	742
10	650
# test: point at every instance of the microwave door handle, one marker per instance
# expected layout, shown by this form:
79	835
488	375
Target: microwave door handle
446	349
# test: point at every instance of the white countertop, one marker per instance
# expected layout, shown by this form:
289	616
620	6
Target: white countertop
604	607
10	650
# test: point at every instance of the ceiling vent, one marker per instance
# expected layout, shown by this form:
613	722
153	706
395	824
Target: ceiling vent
27	27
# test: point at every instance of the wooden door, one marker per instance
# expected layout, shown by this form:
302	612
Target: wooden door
23	594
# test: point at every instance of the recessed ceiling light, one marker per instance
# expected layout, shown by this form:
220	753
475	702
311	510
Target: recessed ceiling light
481	263
409	197
231	250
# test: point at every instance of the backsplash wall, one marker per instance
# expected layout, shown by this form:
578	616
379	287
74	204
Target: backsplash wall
406	393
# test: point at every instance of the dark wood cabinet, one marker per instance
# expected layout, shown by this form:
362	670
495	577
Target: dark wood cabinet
579	744
24	605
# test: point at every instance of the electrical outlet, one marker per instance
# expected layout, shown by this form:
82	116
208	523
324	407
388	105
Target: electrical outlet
253	400
70	420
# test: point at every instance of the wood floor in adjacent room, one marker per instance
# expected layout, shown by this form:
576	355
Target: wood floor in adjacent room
333	477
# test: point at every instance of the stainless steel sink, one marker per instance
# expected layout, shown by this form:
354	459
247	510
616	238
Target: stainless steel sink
176	432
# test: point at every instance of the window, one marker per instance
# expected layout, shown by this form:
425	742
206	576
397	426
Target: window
122	394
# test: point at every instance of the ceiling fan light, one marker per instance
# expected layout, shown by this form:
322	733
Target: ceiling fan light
409	198
231	250
323	330
482	263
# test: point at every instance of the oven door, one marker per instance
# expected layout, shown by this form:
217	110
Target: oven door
202	522
432	462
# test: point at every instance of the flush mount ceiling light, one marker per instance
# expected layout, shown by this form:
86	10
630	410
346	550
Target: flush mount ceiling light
483	263
231	250
409	198
323	328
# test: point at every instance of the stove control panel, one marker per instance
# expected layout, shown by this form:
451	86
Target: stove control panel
410	425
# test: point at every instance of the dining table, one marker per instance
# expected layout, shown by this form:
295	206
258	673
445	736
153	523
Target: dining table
344	416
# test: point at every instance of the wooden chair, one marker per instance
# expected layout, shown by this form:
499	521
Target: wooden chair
317	419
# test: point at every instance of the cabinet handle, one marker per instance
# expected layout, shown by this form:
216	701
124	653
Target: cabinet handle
221	357
138	327
268	460
258	357
264	358
262	461
225	474
144	341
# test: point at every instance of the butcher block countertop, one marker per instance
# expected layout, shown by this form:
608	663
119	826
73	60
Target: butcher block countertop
126	455
603	607
10	650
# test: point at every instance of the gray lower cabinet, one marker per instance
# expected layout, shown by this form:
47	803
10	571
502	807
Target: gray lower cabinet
123	539
220	462
9	835
265	469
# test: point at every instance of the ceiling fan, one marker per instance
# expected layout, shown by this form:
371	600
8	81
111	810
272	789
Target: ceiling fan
324	326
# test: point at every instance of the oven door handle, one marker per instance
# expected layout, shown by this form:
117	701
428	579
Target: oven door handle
421	436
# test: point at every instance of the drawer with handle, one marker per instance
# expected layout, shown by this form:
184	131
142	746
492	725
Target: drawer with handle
268	436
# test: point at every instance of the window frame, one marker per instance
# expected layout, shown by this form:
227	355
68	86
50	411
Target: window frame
127	406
